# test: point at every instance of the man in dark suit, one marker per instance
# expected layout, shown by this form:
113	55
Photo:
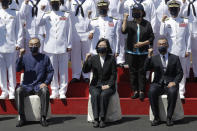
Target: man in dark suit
168	73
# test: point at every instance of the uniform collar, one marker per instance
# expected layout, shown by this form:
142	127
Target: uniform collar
177	18
5	10
103	18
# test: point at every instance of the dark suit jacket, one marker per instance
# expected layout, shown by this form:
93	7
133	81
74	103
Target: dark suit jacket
146	33
174	72
101	76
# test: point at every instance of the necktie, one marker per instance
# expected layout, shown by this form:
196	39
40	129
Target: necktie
34	8
62	2
80	7
164	63
191	3
17	2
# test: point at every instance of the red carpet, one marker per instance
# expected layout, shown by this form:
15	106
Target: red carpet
77	100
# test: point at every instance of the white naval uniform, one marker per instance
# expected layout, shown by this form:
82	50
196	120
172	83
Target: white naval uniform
162	10
192	20
113	12
31	28
10	38
58	27
177	32
16	6
108	28
81	43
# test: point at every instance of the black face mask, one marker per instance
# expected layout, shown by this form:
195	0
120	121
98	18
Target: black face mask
5	3
162	49
166	1
34	49
136	15
55	6
10	2
102	11
174	11
101	50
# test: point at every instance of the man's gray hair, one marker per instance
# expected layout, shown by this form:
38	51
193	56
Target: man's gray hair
163	38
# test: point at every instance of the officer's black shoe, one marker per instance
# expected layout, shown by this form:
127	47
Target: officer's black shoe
96	124
142	96
44	122
155	122
169	122
195	79
74	80
86	80
102	124
135	96
120	65
21	122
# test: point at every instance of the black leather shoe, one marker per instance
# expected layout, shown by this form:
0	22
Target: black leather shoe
74	80
120	65
142	96
20	123
155	122
43	122
102	124
96	124
169	122
135	96
195	79
86	80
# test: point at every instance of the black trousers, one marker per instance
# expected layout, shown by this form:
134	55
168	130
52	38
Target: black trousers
137	72
100	100
155	91
20	95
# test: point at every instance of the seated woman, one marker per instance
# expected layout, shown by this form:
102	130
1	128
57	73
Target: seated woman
102	86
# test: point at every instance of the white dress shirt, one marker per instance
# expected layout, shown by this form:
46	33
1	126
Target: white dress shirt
102	60
164	62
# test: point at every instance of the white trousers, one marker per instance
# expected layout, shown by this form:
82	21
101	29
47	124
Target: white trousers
121	57
60	77
183	61
194	53
29	36
188	65
78	55
7	65
155	49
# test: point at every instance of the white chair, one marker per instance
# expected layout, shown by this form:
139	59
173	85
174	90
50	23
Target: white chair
163	104
113	112
32	107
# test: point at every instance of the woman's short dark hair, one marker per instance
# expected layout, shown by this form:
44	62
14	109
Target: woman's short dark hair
144	14
109	50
